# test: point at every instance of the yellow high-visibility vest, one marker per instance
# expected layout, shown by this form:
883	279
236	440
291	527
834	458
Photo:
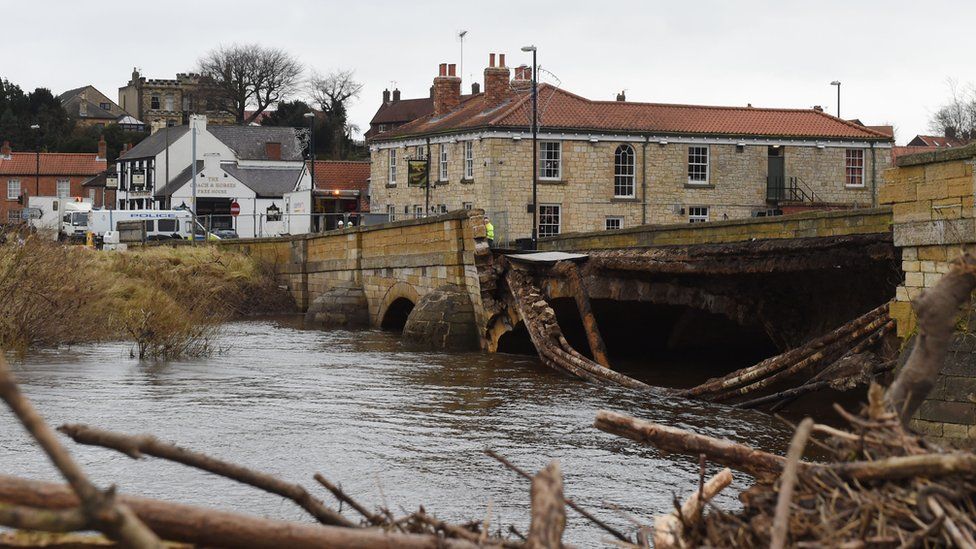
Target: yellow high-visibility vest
490	230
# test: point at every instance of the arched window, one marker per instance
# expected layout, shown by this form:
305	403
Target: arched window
623	172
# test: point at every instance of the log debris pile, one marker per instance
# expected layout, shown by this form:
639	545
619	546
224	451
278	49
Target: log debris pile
842	359
878	484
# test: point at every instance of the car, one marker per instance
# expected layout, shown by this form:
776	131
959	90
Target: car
225	233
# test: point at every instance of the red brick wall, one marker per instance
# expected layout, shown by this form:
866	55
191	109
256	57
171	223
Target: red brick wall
46	185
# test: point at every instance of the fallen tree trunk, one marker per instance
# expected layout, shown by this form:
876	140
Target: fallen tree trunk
212	528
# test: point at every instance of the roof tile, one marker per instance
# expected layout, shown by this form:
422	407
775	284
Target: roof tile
25	163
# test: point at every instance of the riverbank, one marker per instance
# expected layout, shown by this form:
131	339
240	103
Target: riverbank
166	301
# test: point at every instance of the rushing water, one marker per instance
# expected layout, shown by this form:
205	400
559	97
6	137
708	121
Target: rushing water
393	426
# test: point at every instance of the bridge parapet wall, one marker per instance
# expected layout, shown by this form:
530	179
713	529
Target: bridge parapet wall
934	222
800	225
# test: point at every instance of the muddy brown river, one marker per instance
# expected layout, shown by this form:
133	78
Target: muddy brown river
393	426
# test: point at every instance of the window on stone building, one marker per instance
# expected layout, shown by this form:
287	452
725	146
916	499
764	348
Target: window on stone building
105	106
550	160
614	223
467	205
391	212
13	189
169	103
469	159
421	153
442	173
418	211
392	180
64	188
550	216
698	165
623	172
154	102
854	167
698	214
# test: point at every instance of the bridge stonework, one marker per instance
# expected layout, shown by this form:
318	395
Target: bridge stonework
329	274
934	222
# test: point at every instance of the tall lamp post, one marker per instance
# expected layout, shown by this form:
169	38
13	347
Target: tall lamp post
837	83
37	161
311	152
535	144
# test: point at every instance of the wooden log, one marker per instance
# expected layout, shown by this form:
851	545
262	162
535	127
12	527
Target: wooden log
671	439
213	528
581	295
774	364
837	348
21	517
787	482
899	467
937	310
669	529
548	509
135	446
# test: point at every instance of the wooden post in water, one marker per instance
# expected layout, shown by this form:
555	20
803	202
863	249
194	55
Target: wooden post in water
578	288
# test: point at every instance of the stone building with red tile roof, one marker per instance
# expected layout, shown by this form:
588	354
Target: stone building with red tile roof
26	174
615	164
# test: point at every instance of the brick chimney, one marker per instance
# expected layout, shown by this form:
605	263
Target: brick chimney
102	149
396	94
386	97
272	150
447	89
5	150
496	81
523	78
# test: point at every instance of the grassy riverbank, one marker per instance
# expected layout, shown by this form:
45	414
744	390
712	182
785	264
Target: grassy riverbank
168	301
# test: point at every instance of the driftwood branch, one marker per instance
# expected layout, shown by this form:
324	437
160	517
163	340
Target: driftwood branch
669	529
548	509
212	528
787	482
937	310
45	520
113	519
589	516
373	518
135	446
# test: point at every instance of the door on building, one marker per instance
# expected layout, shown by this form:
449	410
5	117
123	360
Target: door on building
214	213
776	175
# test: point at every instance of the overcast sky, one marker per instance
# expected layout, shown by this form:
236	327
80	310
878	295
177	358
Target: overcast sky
893	57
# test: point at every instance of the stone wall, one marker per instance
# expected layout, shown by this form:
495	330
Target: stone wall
405	259
502	182
932	199
801	225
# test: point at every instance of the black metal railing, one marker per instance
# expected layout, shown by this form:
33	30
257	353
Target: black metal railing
789	189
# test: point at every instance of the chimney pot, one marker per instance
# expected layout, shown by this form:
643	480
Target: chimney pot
442	69
475	88
501	60
396	94
386	96
5	149
102	148
622	96
452	70
491	60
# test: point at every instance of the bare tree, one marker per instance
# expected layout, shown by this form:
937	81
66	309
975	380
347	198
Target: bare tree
333	93
958	116
249	75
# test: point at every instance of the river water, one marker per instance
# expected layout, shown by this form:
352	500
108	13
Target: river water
393	426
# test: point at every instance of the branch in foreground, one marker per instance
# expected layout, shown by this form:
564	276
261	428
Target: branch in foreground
21	517
102	511
548	509
135	446
213	528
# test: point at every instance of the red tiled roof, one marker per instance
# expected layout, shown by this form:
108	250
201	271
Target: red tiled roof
563	110
23	163
403	110
936	141
342	175
887	130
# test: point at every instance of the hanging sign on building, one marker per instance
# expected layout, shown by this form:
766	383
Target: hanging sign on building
416	173
111	181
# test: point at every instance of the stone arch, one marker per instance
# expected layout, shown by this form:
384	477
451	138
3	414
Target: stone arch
396	297
342	305
443	319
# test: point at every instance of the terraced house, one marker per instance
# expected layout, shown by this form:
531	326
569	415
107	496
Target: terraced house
615	164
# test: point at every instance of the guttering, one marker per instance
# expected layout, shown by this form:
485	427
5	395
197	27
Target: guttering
644	181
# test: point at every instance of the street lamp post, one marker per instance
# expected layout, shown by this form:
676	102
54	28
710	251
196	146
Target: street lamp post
837	83
311	152
37	161
535	144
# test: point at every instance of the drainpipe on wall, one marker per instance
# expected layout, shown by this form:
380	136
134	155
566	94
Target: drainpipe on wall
874	183
644	181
